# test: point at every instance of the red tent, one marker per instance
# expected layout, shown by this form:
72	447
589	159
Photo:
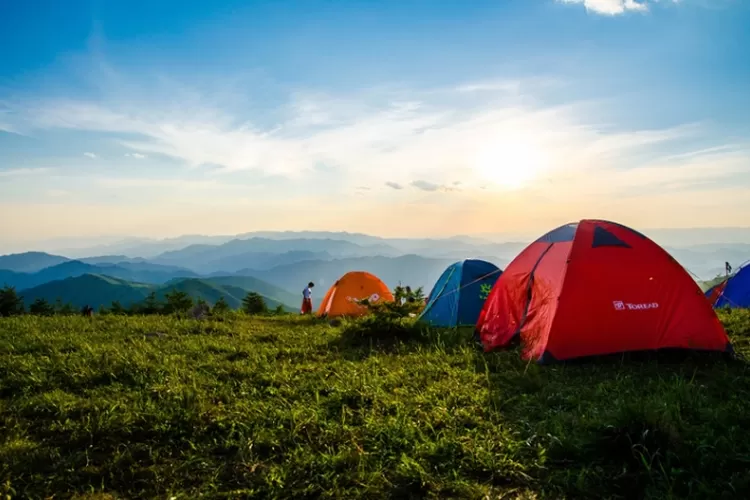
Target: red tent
597	287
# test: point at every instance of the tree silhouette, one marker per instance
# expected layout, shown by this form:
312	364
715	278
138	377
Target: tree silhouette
151	304
116	308
221	306
177	302
253	303
11	304
41	307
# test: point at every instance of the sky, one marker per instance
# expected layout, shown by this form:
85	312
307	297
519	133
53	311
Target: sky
393	118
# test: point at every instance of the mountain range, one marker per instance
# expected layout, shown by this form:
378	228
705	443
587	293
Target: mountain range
278	265
97	290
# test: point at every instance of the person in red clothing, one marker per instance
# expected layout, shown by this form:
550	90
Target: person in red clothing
307	299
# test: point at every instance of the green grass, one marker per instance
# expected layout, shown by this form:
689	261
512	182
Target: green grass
294	408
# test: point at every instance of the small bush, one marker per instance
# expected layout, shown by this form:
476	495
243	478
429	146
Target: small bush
11	304
380	330
253	303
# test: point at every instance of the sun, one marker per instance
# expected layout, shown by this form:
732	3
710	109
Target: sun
509	164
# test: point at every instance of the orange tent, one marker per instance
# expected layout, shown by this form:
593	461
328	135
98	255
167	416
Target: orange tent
341	299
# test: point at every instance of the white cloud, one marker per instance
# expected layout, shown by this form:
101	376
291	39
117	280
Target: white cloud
391	139
431	186
19	172
140	182
491	86
90	155
611	7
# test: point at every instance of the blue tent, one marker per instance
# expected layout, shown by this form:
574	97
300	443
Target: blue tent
459	294
733	292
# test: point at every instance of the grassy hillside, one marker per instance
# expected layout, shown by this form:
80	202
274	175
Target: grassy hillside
89	289
706	285
264	288
100	290
291	408
211	291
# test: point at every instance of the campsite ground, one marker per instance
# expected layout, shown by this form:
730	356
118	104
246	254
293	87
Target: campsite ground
292	408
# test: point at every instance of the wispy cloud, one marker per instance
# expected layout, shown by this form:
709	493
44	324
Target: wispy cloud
425	185
5	124
4	127
21	172
392	139
431	186
89	155
611	7
491	86
136	182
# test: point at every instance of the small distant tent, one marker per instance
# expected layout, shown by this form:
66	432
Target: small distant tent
343	298
594	288
733	292
459	294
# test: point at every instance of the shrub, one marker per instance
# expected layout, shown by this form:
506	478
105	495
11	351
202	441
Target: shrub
253	303
177	302
41	307
11	304
116	308
221	307
64	309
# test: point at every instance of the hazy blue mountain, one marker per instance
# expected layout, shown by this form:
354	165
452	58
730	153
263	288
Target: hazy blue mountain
143	247
29	262
411	270
261	260
707	261
9	278
261	253
89	289
111	259
129	271
98	290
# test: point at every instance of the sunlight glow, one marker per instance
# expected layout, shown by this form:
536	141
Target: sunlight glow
509	164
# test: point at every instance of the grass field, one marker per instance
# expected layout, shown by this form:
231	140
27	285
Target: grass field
291	408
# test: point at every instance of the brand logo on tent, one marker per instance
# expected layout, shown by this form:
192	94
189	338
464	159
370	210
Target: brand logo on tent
623	306
372	298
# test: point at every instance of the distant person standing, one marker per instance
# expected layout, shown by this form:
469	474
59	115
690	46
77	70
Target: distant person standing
307	299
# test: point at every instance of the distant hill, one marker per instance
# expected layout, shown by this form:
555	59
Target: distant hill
29	262
250	283
255	253
91	289
100	290
211	291
708	284
110	259
129	271
411	270
262	260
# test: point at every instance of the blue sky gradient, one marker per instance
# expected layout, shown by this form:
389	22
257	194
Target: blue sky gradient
164	118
